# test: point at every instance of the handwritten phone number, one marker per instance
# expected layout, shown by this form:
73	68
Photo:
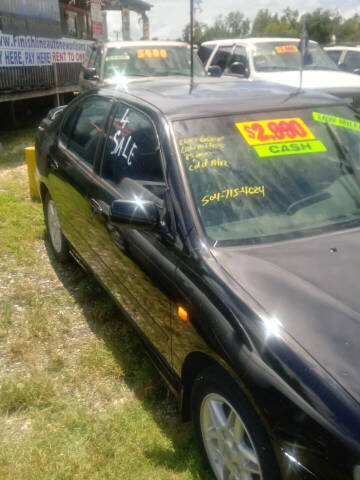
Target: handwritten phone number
233	193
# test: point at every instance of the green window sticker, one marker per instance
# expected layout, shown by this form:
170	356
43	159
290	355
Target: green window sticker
290	148
336	121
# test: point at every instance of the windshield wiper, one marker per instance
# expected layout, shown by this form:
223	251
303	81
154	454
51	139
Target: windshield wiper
347	160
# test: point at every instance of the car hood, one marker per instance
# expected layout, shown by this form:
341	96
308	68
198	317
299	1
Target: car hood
133	79
327	80
312	287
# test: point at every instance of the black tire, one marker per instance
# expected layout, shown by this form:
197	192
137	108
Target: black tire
61	247
214	381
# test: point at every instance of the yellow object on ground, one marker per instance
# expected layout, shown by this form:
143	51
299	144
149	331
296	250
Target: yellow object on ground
31	165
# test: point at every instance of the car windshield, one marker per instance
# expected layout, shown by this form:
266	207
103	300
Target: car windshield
284	56
150	61
271	176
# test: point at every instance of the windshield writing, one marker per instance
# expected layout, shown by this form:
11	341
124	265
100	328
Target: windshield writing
295	175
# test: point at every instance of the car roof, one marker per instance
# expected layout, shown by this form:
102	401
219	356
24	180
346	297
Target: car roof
214	96
251	40
343	47
143	43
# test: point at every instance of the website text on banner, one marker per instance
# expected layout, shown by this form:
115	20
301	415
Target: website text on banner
30	51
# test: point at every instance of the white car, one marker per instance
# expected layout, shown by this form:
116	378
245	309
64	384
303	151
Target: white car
347	57
278	60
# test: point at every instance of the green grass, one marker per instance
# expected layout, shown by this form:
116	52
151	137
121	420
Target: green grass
13	145
79	398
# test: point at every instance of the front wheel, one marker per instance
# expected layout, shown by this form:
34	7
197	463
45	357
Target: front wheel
231	435
58	242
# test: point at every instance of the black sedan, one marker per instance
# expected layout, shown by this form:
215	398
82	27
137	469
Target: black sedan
224	219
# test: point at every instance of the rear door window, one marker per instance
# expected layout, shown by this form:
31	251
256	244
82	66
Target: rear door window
239	55
352	61
205	52
222	57
132	152
334	55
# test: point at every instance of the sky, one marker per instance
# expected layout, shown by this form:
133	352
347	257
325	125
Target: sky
168	17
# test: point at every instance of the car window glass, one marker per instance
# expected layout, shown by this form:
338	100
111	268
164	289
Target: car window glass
98	61
154	61
222	57
283	56
239	55
334	55
265	177
88	53
91	63
352	60
132	152
90	125
68	125
204	52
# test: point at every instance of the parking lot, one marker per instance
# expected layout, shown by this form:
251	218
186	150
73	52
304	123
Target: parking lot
78	396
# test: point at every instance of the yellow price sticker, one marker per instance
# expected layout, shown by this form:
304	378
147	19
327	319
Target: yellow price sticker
274	131
152	53
286	49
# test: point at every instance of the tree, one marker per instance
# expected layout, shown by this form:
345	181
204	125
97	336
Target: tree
270	25
233	25
237	25
199	30
321	24
349	30
261	20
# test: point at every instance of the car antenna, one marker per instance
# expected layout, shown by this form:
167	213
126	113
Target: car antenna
191	46
304	51
304	48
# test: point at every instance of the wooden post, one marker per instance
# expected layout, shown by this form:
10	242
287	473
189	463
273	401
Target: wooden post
146	27
13	114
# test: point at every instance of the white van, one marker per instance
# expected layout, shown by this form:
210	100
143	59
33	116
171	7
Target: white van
278	60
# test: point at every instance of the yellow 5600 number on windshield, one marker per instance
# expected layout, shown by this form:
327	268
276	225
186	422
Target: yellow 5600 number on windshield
274	131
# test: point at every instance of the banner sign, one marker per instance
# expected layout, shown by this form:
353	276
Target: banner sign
96	19
29	51
31	17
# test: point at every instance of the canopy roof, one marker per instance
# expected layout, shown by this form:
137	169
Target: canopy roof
137	5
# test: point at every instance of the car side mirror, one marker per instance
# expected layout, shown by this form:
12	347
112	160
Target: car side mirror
140	215
90	74
215	71
238	68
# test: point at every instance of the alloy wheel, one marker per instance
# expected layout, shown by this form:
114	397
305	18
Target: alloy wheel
54	227
228	445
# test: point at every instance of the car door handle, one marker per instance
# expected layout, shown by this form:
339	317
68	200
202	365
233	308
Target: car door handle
99	208
54	164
